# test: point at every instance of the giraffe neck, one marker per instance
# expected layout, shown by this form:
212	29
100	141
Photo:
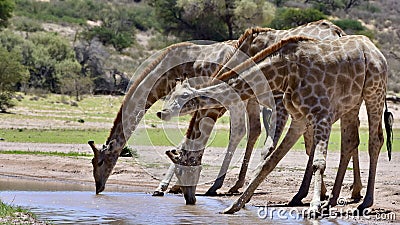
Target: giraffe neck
159	78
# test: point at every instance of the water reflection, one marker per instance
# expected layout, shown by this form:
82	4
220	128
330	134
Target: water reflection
80	205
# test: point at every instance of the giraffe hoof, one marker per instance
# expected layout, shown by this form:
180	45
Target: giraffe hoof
314	212
356	197
296	202
158	193
211	193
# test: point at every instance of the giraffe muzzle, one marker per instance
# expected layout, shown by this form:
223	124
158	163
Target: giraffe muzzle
164	114
99	187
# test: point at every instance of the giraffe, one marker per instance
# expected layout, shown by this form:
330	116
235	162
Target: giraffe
105	159
155	80
322	82
257	41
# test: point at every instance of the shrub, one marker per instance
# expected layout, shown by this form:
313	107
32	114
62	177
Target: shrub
25	24
354	27
286	18
5	101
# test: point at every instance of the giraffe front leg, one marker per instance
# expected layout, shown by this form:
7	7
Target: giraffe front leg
163	186
253	112
305	183
265	167
237	132
321	137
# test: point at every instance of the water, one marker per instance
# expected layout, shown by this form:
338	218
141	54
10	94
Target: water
59	205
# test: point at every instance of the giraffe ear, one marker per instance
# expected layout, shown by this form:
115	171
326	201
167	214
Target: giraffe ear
178	80
173	155
95	150
111	145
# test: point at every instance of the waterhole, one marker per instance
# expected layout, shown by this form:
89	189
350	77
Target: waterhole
65	203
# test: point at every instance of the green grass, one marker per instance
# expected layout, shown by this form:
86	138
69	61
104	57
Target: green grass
159	137
58	107
70	154
90	109
54	136
10	211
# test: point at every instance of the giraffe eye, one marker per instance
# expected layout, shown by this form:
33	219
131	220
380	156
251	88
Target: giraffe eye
100	163
185	95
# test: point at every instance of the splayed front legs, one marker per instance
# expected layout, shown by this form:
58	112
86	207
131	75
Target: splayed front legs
294	132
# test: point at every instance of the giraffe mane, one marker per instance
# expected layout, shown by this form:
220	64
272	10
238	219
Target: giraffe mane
248	32
139	79
242	38
271	50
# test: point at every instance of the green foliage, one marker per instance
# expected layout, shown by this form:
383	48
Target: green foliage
370	7
71	11
116	29
72	82
10	40
41	53
211	19
354	27
44	51
349	24
12	72
26	24
6	10
5	101
329	6
286	18
10	211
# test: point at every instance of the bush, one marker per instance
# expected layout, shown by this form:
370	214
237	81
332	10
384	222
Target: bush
25	24
354	27
12	72
286	18
5	101
349	24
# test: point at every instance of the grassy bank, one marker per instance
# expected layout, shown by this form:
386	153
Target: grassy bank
157	137
16	215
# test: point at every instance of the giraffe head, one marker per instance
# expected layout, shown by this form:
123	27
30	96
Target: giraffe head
187	170
103	163
184	100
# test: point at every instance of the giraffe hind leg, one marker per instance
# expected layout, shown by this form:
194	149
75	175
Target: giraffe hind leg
374	105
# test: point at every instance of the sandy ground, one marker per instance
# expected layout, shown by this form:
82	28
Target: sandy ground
278	189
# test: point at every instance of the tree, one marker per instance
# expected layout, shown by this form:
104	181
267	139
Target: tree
328	6
116	29
6	10
211	19
12	72
71	81
286	18
42	52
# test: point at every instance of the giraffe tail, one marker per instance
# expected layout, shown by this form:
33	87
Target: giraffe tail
388	119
